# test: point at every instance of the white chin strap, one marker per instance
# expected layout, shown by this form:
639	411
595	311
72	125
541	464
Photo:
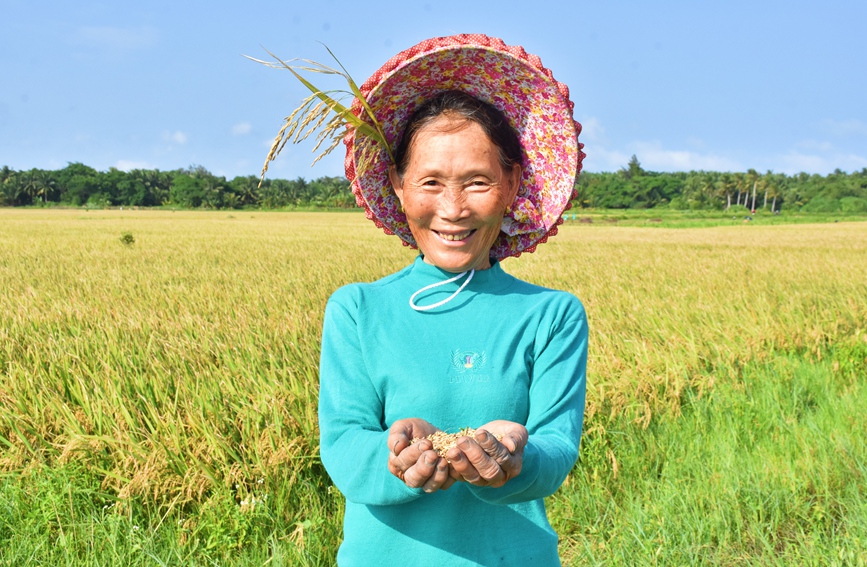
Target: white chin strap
446	300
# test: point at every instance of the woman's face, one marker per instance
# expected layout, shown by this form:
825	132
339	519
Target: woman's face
454	193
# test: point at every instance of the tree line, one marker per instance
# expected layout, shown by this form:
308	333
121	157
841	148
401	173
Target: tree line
629	187
632	187
193	187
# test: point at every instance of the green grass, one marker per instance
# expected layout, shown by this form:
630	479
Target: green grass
772	471
60	516
737	216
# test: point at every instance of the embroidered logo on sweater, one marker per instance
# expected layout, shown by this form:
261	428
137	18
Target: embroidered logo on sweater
464	361
467	364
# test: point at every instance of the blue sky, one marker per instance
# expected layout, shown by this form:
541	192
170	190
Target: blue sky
726	86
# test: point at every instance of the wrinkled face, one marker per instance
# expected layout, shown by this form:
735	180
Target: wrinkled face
454	193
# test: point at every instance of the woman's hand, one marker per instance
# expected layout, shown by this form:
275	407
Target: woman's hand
486	461
417	465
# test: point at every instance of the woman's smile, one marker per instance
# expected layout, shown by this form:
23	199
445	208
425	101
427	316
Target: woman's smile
454	236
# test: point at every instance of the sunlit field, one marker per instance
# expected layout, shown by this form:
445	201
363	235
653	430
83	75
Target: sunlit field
158	386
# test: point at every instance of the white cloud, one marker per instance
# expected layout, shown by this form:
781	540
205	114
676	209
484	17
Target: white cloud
822	153
115	38
177	137
844	127
651	154
820	156
815	145
796	162
242	129
128	165
696	142
654	157
600	159
591	131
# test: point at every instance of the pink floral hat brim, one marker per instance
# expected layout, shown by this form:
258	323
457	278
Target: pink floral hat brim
516	83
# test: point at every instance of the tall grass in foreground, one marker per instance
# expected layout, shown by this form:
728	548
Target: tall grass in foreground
157	398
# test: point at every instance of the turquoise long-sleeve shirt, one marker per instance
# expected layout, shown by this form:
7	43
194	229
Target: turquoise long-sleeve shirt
501	349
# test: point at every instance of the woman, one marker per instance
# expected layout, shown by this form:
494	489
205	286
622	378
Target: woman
484	162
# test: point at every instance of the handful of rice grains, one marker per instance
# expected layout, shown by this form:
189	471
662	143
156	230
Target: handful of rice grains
443	441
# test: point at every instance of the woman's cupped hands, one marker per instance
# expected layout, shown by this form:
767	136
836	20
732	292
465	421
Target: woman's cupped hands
491	457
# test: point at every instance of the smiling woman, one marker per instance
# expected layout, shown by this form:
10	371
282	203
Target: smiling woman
454	189
486	156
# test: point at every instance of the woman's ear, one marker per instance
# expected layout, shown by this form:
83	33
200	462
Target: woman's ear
396	183
514	182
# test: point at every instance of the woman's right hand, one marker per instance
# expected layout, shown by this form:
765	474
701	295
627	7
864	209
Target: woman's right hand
492	457
416	464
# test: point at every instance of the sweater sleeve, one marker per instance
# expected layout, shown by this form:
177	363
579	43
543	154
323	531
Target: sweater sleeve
557	395
353	436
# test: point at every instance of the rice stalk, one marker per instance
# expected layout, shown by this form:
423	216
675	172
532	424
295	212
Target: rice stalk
344	116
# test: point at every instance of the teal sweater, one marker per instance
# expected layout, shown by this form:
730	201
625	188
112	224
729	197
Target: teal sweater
502	349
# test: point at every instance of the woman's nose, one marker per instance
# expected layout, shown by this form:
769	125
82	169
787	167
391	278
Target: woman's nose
452	204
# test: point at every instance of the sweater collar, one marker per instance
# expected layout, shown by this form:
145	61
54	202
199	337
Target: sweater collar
428	273
435	288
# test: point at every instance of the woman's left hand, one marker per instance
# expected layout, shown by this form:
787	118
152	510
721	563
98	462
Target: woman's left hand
417	464
487	461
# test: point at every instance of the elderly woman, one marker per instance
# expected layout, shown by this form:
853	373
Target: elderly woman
485	155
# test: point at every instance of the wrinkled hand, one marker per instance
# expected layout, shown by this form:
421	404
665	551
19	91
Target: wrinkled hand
417	465
485	461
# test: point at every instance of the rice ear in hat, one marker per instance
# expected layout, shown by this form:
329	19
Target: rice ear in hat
513	81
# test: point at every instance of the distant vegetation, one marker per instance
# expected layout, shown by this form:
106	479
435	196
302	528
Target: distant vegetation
629	188
634	188
190	188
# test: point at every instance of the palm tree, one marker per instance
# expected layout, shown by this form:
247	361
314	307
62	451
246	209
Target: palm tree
212	192
5	173
47	184
247	189
693	188
31	184
742	183
757	181
723	186
230	200
161	184
775	184
10	186
767	180
708	186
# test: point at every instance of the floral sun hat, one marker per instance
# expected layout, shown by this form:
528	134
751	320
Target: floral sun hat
513	81
516	83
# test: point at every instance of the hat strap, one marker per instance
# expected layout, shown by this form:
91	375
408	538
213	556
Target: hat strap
444	301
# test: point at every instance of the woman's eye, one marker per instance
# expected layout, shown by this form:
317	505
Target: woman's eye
478	184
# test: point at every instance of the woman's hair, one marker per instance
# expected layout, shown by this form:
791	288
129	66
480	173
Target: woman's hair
462	105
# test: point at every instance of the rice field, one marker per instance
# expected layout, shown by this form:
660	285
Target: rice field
158	384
